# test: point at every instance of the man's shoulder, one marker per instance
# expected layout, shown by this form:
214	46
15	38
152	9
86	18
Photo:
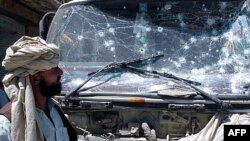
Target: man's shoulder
5	128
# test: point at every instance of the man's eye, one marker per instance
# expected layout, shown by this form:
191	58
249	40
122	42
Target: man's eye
55	68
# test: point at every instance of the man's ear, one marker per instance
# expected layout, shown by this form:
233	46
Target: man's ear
35	79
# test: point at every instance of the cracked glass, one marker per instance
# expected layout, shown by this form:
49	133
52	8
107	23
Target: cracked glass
203	41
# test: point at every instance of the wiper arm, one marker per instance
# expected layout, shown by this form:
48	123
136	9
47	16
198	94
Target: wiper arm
224	106
167	75
136	62
86	81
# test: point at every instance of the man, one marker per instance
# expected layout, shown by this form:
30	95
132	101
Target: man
4	128
32	78
4	122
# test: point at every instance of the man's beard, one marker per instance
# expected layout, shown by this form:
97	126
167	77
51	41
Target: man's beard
50	90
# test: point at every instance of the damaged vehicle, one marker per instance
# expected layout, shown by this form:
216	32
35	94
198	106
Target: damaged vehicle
142	70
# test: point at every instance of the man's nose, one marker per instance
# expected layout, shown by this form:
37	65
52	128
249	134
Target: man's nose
58	71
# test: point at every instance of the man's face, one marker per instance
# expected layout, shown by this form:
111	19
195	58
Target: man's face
50	84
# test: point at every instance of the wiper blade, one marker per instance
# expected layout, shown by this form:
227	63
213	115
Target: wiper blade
164	74
224	106
136	62
74	92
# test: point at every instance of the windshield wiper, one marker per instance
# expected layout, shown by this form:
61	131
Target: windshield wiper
224	106
137	62
164	74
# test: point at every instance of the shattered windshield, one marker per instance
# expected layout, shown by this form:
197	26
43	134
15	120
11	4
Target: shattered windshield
203	41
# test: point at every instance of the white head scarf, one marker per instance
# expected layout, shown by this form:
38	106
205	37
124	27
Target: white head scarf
28	55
